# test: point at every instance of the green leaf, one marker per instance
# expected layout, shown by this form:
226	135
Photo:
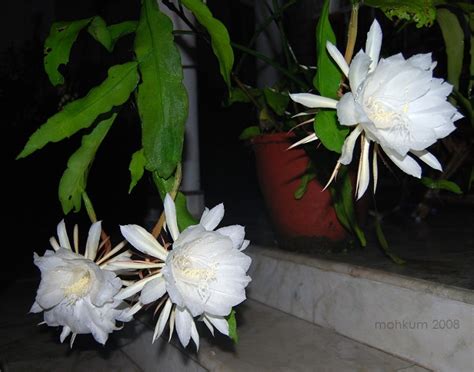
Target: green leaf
136	168
441	185
276	100
453	36
384	243
163	185
81	113
99	31
232	322
57	47
162	98
119	30
184	218
329	131
328	75
423	12
74	180
220	39
250	132
301	190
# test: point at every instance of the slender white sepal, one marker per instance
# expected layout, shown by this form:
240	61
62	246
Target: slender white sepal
313	100
338	58
171	218
312	137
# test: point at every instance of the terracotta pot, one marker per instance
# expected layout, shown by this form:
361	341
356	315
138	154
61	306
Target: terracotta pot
279	174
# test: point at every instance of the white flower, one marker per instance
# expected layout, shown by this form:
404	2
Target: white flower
75	292
394	102
204	274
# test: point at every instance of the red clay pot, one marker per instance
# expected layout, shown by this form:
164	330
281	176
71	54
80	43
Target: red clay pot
279	174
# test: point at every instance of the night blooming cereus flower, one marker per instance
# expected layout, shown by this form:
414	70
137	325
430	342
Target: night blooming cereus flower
75	292
204	274
394	102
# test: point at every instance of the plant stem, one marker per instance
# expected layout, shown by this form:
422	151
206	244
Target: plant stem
93	217
246	91
174	190
352	33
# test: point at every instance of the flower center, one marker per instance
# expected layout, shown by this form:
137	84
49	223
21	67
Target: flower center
199	277
80	287
382	116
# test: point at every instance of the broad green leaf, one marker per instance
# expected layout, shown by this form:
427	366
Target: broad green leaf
99	31
441	185
74	180
220	39
232	322
276	100
250	132
384	243
81	113
301	190
422	12
57	47
119	30
162	99
328	75
185	218
453	36
329	131
136	168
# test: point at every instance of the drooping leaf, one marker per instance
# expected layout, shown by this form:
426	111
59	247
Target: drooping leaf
74	180
162	98
329	131
81	113
119	30
441	185
422	12
220	39
232	322
453	36
57	47
328	76
276	100
301	190
136	168
183	216
384	243
250	132
99	31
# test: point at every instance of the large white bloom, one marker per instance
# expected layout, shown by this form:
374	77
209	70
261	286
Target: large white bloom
394	102
204	274
75	292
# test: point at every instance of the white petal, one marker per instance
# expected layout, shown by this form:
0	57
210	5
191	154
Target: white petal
195	335
208	325
236	233
183	325
348	146
245	244
143	241
211	218
358	70
153	290
313	100
36	308
373	44
62	235
429	159
134	288
93	240
375	169
338	58
363	178
219	322
170	213
161	323
65	332
346	110
312	137
405	163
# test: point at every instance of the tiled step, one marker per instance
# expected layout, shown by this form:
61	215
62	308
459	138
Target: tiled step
269	341
428	323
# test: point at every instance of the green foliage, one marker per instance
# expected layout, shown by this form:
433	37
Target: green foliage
119	30
384	243
81	113
422	12
58	46
183	216
74	180
162	98
441	185
220	39
301	190
232	322
99	31
136	168
250	132
329	131
277	101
